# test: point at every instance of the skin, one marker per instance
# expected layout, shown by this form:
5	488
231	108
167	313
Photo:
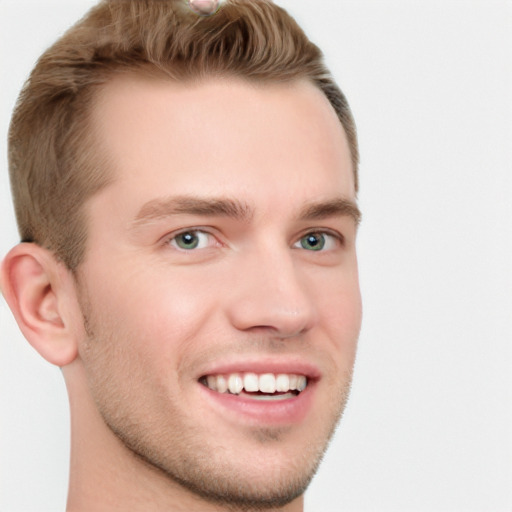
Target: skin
144	319
204	7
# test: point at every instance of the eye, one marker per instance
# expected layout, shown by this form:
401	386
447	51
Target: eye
317	241
189	240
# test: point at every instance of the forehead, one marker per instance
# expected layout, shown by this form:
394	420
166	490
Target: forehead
220	133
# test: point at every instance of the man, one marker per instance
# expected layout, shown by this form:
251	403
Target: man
185	188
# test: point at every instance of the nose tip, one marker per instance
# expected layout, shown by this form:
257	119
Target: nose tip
292	321
280	320
273	299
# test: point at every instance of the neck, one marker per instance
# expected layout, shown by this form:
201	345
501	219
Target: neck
105	475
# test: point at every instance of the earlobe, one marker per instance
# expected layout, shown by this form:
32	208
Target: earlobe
36	287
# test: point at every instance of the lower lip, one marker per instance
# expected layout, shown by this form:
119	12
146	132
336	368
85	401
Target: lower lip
268	412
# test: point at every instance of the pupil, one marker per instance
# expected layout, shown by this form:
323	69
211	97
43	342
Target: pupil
188	240
314	242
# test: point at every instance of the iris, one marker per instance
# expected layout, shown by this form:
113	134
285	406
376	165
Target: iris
313	242
187	240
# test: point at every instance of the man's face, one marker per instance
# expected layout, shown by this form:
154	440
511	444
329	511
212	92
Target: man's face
223	254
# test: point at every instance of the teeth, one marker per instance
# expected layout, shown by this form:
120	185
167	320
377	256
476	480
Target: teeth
222	385
211	381
235	384
270	398
269	383
282	382
251	382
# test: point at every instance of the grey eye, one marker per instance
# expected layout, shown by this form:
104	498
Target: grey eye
189	240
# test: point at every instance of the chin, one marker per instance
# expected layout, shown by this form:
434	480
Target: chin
261	490
269	470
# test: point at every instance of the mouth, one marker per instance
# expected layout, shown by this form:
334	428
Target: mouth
257	386
261	391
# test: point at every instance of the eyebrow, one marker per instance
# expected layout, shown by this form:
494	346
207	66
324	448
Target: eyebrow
236	209
191	205
334	208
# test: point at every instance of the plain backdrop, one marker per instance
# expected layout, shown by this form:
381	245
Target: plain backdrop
429	424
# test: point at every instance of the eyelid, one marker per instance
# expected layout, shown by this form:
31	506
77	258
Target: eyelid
170	237
167	239
332	242
322	231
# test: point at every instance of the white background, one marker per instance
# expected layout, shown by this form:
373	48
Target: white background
428	427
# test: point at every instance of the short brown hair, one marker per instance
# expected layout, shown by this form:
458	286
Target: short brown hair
52	163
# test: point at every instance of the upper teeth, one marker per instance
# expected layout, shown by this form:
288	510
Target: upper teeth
252	382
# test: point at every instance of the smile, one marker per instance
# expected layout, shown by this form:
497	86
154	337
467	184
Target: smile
265	386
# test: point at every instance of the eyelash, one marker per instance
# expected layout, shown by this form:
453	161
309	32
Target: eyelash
172	239
333	237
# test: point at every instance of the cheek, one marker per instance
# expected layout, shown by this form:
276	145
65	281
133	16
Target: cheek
340	312
177	307
157	319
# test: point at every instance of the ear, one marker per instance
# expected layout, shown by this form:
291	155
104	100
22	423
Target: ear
41	294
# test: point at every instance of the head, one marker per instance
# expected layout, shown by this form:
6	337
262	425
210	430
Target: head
54	166
187	186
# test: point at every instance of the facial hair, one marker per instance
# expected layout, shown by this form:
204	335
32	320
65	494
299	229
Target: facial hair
177	448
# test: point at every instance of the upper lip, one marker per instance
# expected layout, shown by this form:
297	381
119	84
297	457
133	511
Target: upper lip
261	365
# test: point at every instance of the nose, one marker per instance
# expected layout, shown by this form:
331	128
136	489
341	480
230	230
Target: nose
270	294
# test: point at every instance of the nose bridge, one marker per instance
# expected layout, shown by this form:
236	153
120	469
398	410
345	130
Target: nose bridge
270	293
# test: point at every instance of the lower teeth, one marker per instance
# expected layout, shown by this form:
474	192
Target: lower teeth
267	396
281	396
